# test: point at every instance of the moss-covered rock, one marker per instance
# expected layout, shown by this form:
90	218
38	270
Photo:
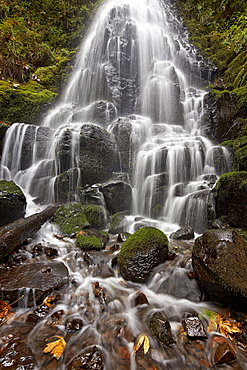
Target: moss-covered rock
88	243
231	198
117	223
23	103
12	202
71	219
220	263
239	147
141	253
96	216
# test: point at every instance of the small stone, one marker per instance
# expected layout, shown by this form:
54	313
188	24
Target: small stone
73	323
194	328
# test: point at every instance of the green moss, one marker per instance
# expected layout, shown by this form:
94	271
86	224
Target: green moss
9	187
70	218
116	225
95	216
141	240
23	103
87	243
239	147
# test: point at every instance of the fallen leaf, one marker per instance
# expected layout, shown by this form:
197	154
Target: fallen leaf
5	313
56	348
47	301
81	233
142	341
228	328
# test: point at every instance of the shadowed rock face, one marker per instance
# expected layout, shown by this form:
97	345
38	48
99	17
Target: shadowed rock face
220	262
231	198
141	253
12	202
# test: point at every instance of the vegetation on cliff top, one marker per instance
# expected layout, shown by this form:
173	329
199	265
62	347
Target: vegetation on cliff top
38	40
218	29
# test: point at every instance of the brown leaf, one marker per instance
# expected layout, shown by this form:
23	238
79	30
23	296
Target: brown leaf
56	348
228	328
142	341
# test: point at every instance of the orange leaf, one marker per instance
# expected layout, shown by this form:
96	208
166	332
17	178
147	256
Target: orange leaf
47	301
5	313
56	348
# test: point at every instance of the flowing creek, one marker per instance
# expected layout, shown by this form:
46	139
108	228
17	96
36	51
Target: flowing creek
137	63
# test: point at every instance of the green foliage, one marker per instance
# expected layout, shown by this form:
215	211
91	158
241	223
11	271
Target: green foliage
38	36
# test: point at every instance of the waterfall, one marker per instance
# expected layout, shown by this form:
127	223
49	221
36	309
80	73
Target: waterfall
135	67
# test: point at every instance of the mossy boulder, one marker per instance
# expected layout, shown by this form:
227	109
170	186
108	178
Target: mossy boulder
71	218
141	253
12	202
239	147
231	198
219	259
89	243
96	216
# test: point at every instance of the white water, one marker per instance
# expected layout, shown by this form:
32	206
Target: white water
137	59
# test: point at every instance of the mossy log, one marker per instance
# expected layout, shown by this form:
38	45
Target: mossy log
17	232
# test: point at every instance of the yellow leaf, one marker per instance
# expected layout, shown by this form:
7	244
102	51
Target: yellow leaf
227	327
142	341
56	348
47	301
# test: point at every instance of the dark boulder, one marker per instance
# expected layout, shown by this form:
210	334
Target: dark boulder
141	253
219	259
3	128
118	196
38	278
231	198
91	358
186	233
12	202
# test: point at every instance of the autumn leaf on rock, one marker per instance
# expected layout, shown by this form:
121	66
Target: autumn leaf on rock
142	341
5	313
56	348
47	301
228	328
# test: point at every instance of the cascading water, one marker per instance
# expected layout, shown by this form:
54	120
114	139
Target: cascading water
135	64
133	108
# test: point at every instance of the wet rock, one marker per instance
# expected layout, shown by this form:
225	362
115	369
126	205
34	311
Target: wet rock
231	198
38	277
139	298
50	251
141	253
90	359
100	112
12	202
161	329
98	264
73	323
3	128
194	328
180	284
117	223
220	262
118	196
122	237
15	353
186	233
